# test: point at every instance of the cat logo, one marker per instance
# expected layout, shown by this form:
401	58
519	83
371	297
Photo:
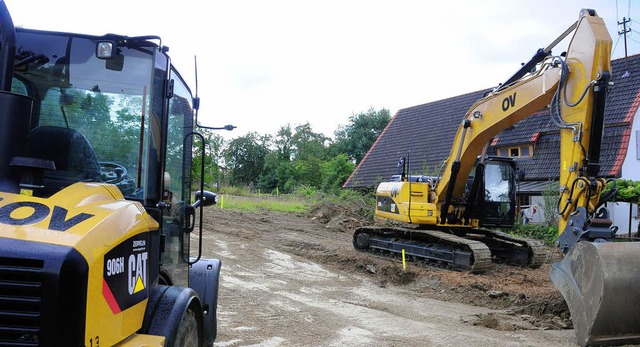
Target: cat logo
137	272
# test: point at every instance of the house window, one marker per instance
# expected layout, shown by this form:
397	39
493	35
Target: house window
522	151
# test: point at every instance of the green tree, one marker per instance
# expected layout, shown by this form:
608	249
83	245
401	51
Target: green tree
307	143
284	143
268	180
335	172
277	163
214	145
309	152
628	191
297	159
550	197
245	158
355	138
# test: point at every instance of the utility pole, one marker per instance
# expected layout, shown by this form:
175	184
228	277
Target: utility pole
624	32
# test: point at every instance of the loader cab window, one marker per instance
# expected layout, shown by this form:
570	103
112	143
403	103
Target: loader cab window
94	110
180	123
177	180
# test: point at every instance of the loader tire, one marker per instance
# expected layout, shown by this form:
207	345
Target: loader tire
175	313
188	334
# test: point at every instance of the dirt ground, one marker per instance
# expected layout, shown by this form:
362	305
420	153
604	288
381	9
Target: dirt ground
296	280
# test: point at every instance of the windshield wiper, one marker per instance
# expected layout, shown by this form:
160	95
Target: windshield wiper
32	57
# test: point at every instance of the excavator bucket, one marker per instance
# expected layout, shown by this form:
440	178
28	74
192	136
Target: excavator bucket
600	283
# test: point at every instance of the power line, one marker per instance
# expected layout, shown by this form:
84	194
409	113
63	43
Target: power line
634	40
615	45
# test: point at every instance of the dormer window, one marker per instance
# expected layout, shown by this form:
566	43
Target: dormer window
522	151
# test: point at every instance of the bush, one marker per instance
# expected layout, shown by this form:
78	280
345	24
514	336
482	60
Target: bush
306	190
628	190
236	190
547	234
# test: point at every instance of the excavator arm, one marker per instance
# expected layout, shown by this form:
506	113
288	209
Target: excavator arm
488	117
578	110
598	276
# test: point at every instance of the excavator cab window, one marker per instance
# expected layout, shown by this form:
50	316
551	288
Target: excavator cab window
498	194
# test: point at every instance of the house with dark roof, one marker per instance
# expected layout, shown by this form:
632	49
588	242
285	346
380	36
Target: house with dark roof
425	133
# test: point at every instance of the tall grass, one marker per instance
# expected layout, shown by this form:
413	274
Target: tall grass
254	202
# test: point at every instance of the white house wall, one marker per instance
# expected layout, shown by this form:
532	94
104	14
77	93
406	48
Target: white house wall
630	171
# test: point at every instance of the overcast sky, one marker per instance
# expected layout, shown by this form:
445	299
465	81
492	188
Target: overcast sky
265	64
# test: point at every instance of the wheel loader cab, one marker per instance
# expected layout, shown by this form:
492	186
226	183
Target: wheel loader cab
89	130
97	121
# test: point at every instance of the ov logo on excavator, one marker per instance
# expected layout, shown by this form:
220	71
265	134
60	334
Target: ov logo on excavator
508	102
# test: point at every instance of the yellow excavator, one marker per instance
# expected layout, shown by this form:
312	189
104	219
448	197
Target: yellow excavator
99	240
453	217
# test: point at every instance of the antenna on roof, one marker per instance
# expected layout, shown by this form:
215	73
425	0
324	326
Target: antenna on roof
196	105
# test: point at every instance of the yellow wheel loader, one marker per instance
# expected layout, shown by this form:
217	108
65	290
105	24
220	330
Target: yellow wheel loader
96	219
452	219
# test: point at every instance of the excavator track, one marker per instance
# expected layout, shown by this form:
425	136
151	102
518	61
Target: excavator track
434	247
512	250
473	252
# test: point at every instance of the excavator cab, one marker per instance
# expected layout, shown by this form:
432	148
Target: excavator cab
493	186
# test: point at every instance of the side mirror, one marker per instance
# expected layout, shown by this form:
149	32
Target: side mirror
206	198
203	198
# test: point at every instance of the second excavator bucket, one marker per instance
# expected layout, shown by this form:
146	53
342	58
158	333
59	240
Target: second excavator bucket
600	283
